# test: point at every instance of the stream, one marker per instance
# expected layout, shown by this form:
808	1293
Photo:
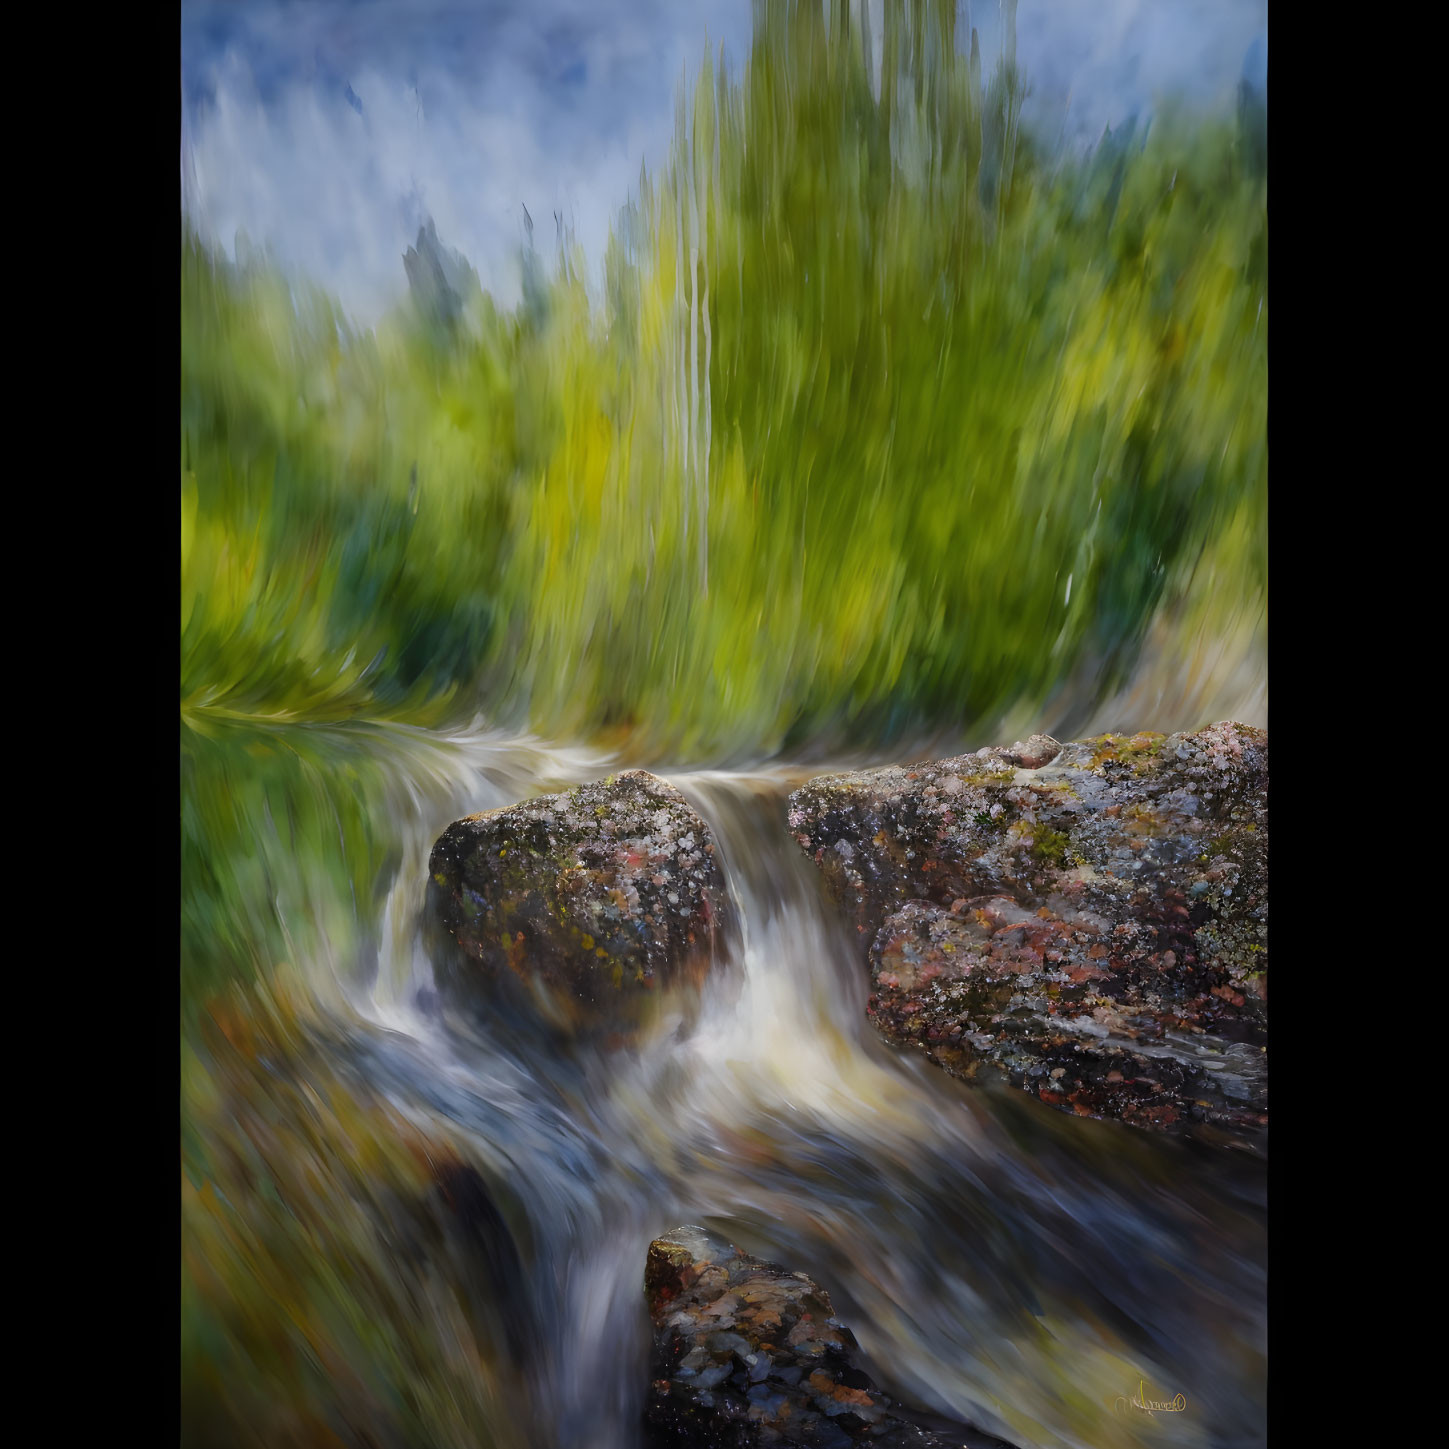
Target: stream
998	1262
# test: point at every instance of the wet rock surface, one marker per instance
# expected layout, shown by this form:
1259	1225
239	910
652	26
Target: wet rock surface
747	1353
1089	919
585	905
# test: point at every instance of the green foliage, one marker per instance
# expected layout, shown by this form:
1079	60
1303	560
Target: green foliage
281	826
884	420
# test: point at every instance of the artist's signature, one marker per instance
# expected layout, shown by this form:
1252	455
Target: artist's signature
1139	1403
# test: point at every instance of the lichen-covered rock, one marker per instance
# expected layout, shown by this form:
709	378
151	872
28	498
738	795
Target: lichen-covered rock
586	904
747	1353
1089	919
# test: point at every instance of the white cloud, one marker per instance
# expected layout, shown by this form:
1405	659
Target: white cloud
1116	57
340	196
470	113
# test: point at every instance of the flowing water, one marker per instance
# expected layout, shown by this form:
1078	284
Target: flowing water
1103	472
997	1261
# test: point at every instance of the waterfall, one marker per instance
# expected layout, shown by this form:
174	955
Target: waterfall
997	1262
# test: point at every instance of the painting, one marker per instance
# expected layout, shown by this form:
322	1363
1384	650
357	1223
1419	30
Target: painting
724	893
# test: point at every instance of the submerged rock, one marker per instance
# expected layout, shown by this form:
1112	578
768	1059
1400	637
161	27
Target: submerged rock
586	904
1089	919
747	1353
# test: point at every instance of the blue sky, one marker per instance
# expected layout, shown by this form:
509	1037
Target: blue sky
328	130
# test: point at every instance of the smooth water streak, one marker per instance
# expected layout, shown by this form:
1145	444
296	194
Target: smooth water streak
997	1262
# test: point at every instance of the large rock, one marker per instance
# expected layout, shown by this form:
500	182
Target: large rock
1089	919
586	905
747	1353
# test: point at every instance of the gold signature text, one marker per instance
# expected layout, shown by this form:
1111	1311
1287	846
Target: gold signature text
1141	1404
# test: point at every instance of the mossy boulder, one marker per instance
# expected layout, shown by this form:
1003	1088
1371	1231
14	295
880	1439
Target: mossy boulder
748	1353
1089	919
584	906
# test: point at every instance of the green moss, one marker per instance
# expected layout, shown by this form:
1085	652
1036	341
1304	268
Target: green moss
1148	743
1136	751
990	777
1050	844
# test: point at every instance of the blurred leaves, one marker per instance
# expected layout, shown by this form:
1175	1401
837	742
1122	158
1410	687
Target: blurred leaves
885	419
855	442
826	455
